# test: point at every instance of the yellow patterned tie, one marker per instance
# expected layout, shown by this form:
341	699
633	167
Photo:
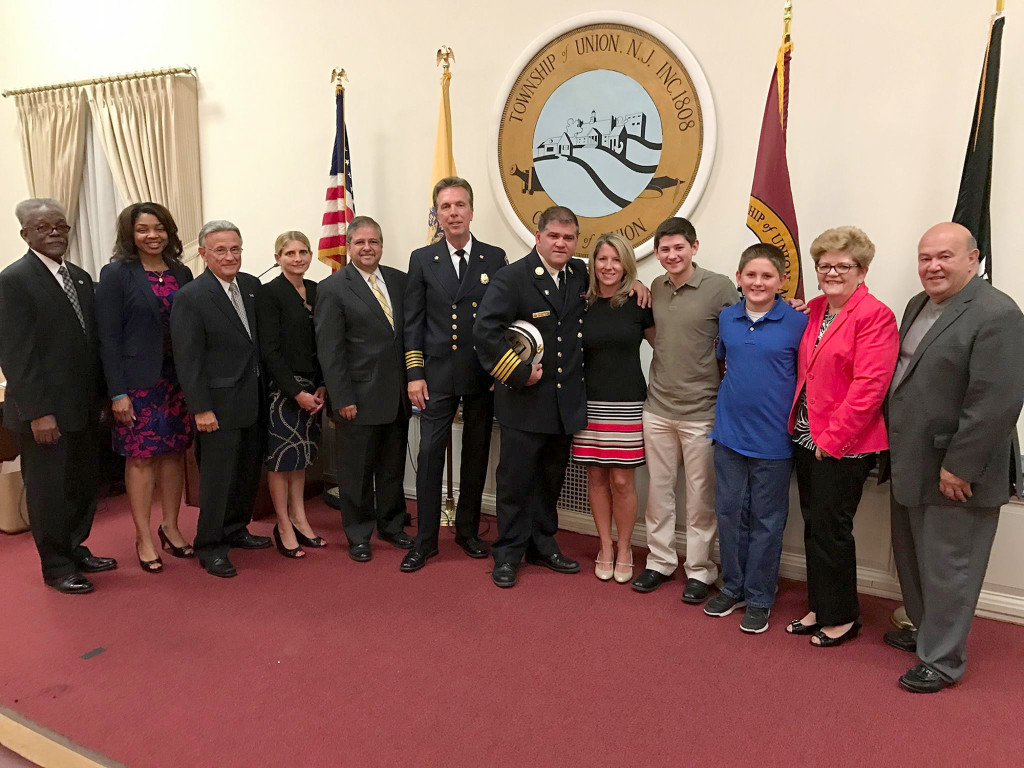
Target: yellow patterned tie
382	300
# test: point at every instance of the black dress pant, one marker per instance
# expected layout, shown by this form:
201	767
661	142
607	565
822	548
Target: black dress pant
60	492
531	470
830	491
229	477
435	424
370	472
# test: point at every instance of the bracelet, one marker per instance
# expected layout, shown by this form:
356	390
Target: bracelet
118	397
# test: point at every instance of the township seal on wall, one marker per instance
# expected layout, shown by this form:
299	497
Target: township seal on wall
610	115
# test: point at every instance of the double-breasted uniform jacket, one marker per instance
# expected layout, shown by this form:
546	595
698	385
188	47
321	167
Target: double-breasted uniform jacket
217	362
440	313
52	366
524	290
361	355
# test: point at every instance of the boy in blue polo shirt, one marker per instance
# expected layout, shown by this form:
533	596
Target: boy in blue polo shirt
757	342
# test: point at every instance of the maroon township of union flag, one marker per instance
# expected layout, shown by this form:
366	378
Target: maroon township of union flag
771	217
332	249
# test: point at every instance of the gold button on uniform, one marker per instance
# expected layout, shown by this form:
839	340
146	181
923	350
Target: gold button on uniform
559	370
455	327
558	385
474	304
559	338
454	307
579	335
455	317
455	346
455	337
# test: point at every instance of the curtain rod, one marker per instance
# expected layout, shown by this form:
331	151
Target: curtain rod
108	79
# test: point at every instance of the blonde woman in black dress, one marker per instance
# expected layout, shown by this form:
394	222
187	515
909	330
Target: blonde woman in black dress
284	308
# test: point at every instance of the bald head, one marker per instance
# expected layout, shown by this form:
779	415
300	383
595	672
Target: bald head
947	259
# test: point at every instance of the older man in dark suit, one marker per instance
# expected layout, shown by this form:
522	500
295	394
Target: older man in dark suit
49	351
952	412
447	281
359	320
217	356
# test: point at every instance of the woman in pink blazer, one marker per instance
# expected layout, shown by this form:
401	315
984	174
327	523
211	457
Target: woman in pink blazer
846	360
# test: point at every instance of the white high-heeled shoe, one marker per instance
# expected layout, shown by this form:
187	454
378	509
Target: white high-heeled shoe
603	569
623	577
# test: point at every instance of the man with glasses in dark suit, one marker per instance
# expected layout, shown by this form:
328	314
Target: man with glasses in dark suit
49	351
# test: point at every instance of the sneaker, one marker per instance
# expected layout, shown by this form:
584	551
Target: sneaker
755	620
722	605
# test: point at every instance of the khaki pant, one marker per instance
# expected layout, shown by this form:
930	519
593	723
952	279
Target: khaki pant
669	443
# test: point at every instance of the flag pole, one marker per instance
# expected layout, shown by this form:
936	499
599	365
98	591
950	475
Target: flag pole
787	21
1000	4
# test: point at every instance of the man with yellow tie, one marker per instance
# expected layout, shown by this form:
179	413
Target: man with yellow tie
362	356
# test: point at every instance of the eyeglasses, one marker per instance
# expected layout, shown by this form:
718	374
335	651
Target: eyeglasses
223	251
45	229
841	269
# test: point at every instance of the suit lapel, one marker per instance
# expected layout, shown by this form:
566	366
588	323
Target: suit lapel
223	303
443	270
957	306
56	291
141	281
361	288
543	282
839	321
913	310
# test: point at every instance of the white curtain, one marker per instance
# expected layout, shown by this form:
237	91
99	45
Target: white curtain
149	129
52	124
99	202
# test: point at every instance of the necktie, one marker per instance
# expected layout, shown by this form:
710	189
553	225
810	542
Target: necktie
236	301
461	253
382	300
69	289
561	282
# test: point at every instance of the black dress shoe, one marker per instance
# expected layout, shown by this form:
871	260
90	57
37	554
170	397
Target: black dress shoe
402	540
904	639
797	628
361	553
556	562
251	541
93	564
923	679
472	546
416	560
504	575
221	567
695	592
649	580
824	641
72	584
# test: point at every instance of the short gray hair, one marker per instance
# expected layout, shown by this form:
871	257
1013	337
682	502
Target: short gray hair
217	225
26	208
363	221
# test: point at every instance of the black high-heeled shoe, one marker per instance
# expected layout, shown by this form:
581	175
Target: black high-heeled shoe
824	641
799	628
149	566
304	540
295	553
183	552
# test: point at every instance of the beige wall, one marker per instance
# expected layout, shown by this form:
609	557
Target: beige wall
880	108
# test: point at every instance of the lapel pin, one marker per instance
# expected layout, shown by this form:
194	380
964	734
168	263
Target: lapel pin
484	278
481	257
437	258
546	292
81	282
538	272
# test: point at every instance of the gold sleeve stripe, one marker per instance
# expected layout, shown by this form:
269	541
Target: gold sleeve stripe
508	371
502	361
413	359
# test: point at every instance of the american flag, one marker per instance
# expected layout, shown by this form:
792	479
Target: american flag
340	208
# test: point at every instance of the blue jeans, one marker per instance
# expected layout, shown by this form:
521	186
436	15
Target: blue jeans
752	504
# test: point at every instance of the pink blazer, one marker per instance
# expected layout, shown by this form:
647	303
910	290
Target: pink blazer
848	374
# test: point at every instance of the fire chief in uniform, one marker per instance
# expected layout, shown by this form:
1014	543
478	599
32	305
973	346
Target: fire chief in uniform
446	283
538	406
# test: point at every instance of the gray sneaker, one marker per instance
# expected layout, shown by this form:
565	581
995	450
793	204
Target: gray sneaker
722	605
755	620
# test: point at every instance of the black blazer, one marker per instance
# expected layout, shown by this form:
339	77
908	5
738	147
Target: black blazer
287	339
51	366
218	364
557	404
439	316
361	354
128	314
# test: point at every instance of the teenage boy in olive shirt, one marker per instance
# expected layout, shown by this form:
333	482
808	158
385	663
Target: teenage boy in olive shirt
680	410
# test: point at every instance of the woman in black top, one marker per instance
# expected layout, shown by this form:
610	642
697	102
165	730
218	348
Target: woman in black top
284	309
612	445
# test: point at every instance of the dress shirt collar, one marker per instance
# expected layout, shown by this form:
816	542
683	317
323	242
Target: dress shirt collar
366	275
551	270
468	248
49	263
226	285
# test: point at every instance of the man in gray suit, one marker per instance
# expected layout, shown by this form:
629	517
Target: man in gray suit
952	413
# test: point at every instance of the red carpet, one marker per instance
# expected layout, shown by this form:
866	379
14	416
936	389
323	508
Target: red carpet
327	662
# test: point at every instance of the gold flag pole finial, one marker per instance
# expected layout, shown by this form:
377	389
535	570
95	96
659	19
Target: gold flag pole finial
445	56
338	79
787	19
1000	4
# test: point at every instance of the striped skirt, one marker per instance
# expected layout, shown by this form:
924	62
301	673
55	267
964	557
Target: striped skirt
614	436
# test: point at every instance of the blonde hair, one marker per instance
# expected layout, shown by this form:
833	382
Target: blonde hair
622	247
849	240
286	237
